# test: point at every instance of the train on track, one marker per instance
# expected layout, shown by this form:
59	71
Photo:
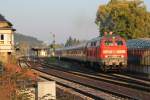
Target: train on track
107	52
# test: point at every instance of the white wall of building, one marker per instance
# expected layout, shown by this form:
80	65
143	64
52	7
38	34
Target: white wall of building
6	45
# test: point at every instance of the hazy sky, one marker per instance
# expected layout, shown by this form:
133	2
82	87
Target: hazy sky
64	18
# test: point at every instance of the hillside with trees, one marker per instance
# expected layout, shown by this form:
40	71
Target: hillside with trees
127	17
31	41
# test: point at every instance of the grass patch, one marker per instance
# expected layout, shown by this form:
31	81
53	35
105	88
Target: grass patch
51	60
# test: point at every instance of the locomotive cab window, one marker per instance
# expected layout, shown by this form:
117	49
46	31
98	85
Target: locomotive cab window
108	43
119	43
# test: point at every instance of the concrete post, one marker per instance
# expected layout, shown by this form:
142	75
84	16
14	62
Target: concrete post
46	90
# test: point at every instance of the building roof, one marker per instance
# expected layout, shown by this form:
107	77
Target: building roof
8	28
138	43
2	19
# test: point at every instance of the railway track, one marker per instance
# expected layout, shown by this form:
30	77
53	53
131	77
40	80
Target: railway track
131	76
118	79
84	90
87	91
131	93
126	87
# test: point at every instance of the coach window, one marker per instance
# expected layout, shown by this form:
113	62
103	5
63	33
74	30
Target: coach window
97	43
89	44
93	44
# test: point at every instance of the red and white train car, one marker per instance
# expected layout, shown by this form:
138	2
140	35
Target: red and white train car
107	52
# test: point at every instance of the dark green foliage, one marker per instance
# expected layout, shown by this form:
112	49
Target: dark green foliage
51	60
130	19
71	42
52	46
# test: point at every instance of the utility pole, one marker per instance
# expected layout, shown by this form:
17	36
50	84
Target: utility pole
54	42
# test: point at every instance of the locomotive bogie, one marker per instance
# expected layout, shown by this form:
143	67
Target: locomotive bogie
115	62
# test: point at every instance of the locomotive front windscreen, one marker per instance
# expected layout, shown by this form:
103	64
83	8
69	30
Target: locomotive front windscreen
108	43
118	43
115	43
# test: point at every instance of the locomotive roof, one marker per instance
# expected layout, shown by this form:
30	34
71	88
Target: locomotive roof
95	39
104	37
138	43
82	45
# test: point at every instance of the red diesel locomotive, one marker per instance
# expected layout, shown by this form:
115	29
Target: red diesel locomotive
107	52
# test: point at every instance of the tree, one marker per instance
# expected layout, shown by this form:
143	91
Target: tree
14	82
71	42
130	19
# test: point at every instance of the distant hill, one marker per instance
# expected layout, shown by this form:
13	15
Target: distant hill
32	41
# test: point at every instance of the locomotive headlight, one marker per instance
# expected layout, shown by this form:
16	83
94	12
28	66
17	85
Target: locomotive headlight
122	56
106	56
107	51
121	51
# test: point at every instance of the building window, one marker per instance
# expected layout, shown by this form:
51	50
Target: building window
2	37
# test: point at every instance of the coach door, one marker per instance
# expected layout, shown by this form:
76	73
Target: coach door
97	50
